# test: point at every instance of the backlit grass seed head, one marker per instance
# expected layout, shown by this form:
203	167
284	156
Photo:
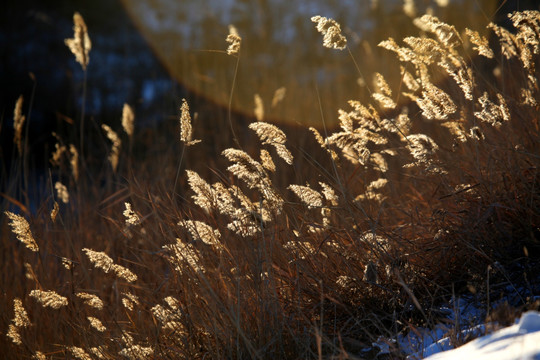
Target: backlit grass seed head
62	192
329	194
400	125
21	228
457	130
186	130
384	96
421	147
312	198
409	8
96	324
330	29
182	255
57	154
128	119
74	161
49	298
246	168
136	352
129	301
39	356
79	353
99	259
409	80
91	300
300	248
528	24
201	231
30	275
13	334
492	113
527	97
116	144
104	262
455	67
205	197
234	41
67	263
446	34
80	45
131	217
371	192
272	135
507	40
20	318
379	163
404	54
169	316
259	107
279	95
18	122
435	103
266	161
476	133
482	44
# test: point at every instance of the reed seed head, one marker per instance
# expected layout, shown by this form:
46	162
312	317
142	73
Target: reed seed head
49	298
331	30
234	41
18	122
128	119
80	45
21	228
186	130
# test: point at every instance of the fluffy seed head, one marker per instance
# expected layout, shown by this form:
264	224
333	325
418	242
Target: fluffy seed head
259	107
116	143
21	228
272	135
18	122
201	231
331	31
91	300
128	118
62	192
186	130
312	198
234	41
96	324
80	44
131	217
49	298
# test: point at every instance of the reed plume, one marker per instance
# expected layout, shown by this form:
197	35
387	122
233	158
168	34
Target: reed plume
116	144
186	130
128	120
80	45
234	41
21	228
18	122
49	298
331	30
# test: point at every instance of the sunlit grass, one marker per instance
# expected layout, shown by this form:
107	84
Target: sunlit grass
303	243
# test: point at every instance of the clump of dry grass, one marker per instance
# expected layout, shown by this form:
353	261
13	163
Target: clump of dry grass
414	200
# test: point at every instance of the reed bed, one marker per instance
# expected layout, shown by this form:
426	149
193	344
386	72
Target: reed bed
313	246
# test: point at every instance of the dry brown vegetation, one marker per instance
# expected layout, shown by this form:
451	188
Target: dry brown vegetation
310	247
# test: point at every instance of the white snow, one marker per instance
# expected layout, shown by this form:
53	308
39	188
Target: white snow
519	341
